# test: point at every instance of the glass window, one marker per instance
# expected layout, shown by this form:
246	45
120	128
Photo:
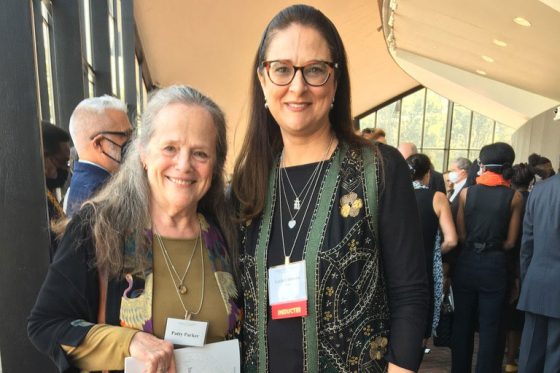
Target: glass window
87	52
368	121
423	118
91	82
87	32
460	127
503	133
436	156
482	131
473	154
113	48
120	59
412	117
47	17
388	119
435	121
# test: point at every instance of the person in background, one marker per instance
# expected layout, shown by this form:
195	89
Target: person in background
541	166
151	246
436	178
458	176
379	135
367	133
513	319
56	155
100	131
448	184
438	231
540	276
312	195
488	221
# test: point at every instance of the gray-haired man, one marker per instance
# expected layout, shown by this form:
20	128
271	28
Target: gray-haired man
100	130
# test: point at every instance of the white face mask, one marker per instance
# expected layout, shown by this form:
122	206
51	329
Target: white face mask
453	177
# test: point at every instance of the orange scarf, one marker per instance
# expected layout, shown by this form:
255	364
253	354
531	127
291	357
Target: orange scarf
490	178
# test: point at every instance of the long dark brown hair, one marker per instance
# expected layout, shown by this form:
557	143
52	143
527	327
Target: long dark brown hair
263	141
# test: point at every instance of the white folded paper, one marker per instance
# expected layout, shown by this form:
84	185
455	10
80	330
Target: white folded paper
219	357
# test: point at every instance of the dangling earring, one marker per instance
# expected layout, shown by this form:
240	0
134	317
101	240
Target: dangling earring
265	104
332	103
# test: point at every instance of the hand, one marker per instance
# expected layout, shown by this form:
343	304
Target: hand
514	292
155	353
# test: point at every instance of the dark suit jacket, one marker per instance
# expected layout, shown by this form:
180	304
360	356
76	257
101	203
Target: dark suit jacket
436	182
540	250
86	180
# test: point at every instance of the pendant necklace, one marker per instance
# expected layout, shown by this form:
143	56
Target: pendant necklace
282	190
307	188
280	186
180	288
177	280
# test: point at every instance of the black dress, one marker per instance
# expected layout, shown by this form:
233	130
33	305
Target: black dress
430	225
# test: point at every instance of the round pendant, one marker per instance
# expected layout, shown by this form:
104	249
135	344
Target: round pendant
182	289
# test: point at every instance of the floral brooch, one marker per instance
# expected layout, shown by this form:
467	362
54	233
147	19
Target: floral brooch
350	205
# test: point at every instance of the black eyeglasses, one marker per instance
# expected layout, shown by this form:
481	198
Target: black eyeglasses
126	134
315	73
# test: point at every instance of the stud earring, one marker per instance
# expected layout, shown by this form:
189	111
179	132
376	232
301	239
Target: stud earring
265	104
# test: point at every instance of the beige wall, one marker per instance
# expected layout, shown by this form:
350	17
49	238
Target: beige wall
540	135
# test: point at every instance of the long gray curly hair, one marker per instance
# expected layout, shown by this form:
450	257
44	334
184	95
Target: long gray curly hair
120	211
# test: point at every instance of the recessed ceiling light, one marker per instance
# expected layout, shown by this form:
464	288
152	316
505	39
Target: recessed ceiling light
499	43
522	21
481	72
487	58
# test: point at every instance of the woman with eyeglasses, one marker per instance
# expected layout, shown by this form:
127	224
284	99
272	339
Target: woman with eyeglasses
147	258
331	262
488	223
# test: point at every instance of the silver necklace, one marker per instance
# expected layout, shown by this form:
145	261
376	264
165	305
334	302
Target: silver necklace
305	190
280	185
293	222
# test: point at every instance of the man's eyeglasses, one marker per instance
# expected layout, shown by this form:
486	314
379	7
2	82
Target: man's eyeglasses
315	73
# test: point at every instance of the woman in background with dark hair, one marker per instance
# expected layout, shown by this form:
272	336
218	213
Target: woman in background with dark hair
488	224
541	166
330	221
522	177
437	221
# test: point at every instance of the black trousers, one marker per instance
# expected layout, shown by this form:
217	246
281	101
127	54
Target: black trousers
479	288
540	345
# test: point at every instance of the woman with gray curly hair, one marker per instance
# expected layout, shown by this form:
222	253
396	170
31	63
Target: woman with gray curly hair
150	247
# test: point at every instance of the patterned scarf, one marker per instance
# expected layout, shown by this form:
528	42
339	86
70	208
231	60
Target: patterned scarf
437	269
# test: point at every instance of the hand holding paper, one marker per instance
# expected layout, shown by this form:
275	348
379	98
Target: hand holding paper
153	353
220	357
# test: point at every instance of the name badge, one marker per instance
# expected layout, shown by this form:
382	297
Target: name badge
287	290
186	332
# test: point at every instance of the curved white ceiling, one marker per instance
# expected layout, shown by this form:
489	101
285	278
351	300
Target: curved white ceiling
451	47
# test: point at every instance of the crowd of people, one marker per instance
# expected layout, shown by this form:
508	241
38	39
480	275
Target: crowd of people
328	251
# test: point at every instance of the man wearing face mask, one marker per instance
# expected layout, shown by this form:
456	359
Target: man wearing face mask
100	130
56	154
458	175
